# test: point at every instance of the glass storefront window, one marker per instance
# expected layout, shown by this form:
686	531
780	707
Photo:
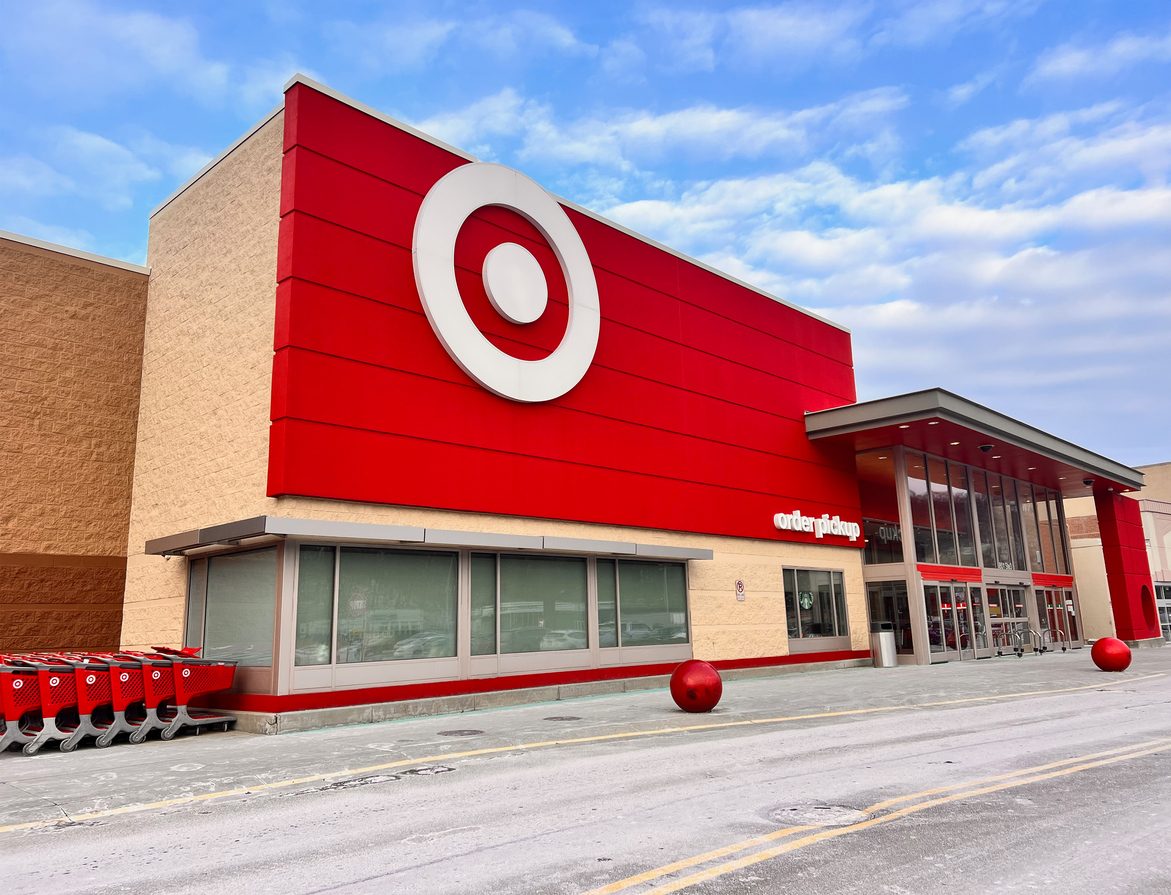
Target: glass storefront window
880	509
815	603
920	507
1036	559
888	603
608	603
979	617
1056	520
1013	508
483	604
962	506
196	594
395	604
542	603
983	505
934	617
652	603
239	607
314	606
1000	529
1044	530
941	511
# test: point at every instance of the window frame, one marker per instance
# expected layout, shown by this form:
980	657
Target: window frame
819	643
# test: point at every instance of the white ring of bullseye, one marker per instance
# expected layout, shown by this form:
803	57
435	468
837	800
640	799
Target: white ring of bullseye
510	278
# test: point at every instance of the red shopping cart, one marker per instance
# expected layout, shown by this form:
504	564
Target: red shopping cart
57	695
171	679
20	702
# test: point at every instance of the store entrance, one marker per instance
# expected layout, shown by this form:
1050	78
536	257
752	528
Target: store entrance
1009	618
957	622
1059	622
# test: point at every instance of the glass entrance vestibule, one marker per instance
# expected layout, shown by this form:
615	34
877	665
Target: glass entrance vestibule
964	562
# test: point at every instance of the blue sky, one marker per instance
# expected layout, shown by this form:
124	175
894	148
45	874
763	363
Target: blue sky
977	188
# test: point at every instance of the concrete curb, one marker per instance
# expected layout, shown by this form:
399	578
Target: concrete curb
272	723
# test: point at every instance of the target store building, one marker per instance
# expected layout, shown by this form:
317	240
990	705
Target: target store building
410	426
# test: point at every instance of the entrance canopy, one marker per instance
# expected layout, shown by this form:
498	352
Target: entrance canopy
942	423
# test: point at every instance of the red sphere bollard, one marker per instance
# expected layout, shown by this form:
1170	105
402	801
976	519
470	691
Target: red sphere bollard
1110	654
696	686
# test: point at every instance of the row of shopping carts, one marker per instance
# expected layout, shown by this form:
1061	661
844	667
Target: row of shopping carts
66	697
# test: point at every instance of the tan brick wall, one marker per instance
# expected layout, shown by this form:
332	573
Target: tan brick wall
207	366
203	459
71	333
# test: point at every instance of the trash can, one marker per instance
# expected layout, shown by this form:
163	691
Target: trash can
882	644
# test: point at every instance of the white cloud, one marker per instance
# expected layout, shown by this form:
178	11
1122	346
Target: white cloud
522	32
391	45
102	169
795	33
71	237
74	45
916	23
622	60
30	176
472	128
180	162
259	84
623	141
684	38
964	92
1072	61
1104	143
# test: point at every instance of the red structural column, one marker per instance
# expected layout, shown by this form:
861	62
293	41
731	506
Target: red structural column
1128	571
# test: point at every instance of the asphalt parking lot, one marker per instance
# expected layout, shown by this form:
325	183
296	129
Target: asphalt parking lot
1005	774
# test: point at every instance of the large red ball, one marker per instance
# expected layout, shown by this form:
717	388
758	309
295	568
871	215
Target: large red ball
696	686
1110	654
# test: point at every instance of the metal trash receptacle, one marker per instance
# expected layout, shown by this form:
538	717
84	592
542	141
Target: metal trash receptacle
882	644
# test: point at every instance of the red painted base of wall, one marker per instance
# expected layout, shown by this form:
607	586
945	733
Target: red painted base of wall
260	702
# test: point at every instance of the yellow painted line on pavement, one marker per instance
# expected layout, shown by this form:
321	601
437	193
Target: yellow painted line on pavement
1138	751
541	744
694	861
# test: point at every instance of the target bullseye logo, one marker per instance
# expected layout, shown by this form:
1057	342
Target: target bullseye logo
513	280
54	681
186	672
17	684
89	678
123	677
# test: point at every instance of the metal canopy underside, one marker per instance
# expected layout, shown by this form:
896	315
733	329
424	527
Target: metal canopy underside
268	529
942	423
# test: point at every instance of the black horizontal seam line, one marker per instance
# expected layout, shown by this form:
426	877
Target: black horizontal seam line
689	391
626	326
666	478
581	411
613	273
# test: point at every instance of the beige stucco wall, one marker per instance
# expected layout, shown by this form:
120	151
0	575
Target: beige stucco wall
70	343
203	442
1089	574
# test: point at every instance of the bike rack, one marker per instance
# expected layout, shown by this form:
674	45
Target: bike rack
1011	638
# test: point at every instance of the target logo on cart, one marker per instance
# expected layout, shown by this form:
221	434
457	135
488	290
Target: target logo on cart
54	681
123	677
17	684
513	280
186	672
155	675
89	678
